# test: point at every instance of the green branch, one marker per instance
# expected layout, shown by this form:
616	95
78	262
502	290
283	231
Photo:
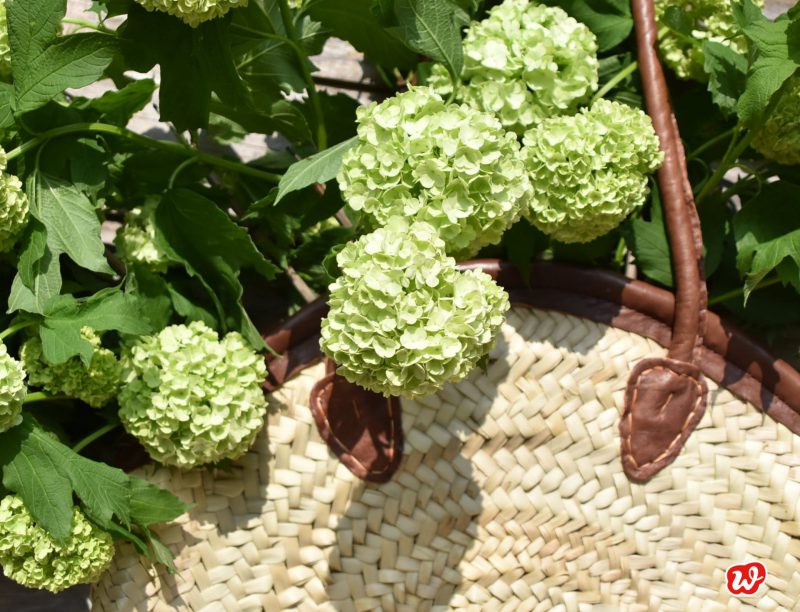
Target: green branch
615	80
311	87
94	436
735	149
733	293
173	147
41	396
15	328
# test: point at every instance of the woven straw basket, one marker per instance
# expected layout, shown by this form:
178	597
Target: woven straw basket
621	450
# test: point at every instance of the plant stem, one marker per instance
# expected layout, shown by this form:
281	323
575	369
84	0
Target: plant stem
724	297
311	88
735	149
15	328
94	436
182	166
178	149
41	396
710	143
616	80
88	24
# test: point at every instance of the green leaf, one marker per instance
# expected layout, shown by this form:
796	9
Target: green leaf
319	168
354	21
767	232
6	108
150	505
522	242
196	233
650	246
428	27
610	20
70	220
38	278
32	24
118	107
727	75
73	61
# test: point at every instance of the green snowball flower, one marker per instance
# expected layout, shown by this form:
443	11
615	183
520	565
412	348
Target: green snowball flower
703	20
525	62
135	241
191	398
193	12
96	384
13	207
31	557
589	171
403	320
451	166
779	137
5	49
12	390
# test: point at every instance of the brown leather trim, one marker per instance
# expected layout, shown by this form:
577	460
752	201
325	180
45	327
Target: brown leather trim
683	226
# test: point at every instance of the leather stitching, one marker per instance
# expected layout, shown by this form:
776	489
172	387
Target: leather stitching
685	425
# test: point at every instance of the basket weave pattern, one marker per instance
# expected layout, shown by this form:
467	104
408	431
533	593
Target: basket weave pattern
511	496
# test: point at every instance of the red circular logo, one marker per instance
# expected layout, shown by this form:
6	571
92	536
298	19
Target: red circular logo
745	578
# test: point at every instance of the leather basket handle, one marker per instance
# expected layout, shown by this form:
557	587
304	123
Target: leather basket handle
665	398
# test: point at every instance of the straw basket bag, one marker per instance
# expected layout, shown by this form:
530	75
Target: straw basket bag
622	449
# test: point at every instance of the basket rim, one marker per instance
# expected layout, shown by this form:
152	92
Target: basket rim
728	356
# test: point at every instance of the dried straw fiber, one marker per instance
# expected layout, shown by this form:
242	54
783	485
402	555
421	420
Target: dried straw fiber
510	497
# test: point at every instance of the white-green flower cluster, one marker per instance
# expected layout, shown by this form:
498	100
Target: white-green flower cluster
96	384
403	320
13	207
5	49
779	137
589	171
449	165
707	20
12	390
193	12
525	62
135	241
191	398
31	557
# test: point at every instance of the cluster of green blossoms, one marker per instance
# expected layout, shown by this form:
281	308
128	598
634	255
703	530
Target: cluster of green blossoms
13	207
191	398
5	49
403	320
135	241
95	384
523	63
193	12
31	557
589	171
779	137
12	390
706	20
448	165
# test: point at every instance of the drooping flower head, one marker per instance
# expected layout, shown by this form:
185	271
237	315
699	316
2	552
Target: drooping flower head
451	166
589	171
779	137
135	241
12	390
95	384
525	62
192	398
403	320
193	12
702	20
13	207
31	557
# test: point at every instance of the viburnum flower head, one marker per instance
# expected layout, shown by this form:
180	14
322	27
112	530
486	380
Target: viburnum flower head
403	320
31	557
5	49
451	166
525	62
12	390
704	20
136	240
779	137
193	12
192	398
589	171
13	207
95	384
